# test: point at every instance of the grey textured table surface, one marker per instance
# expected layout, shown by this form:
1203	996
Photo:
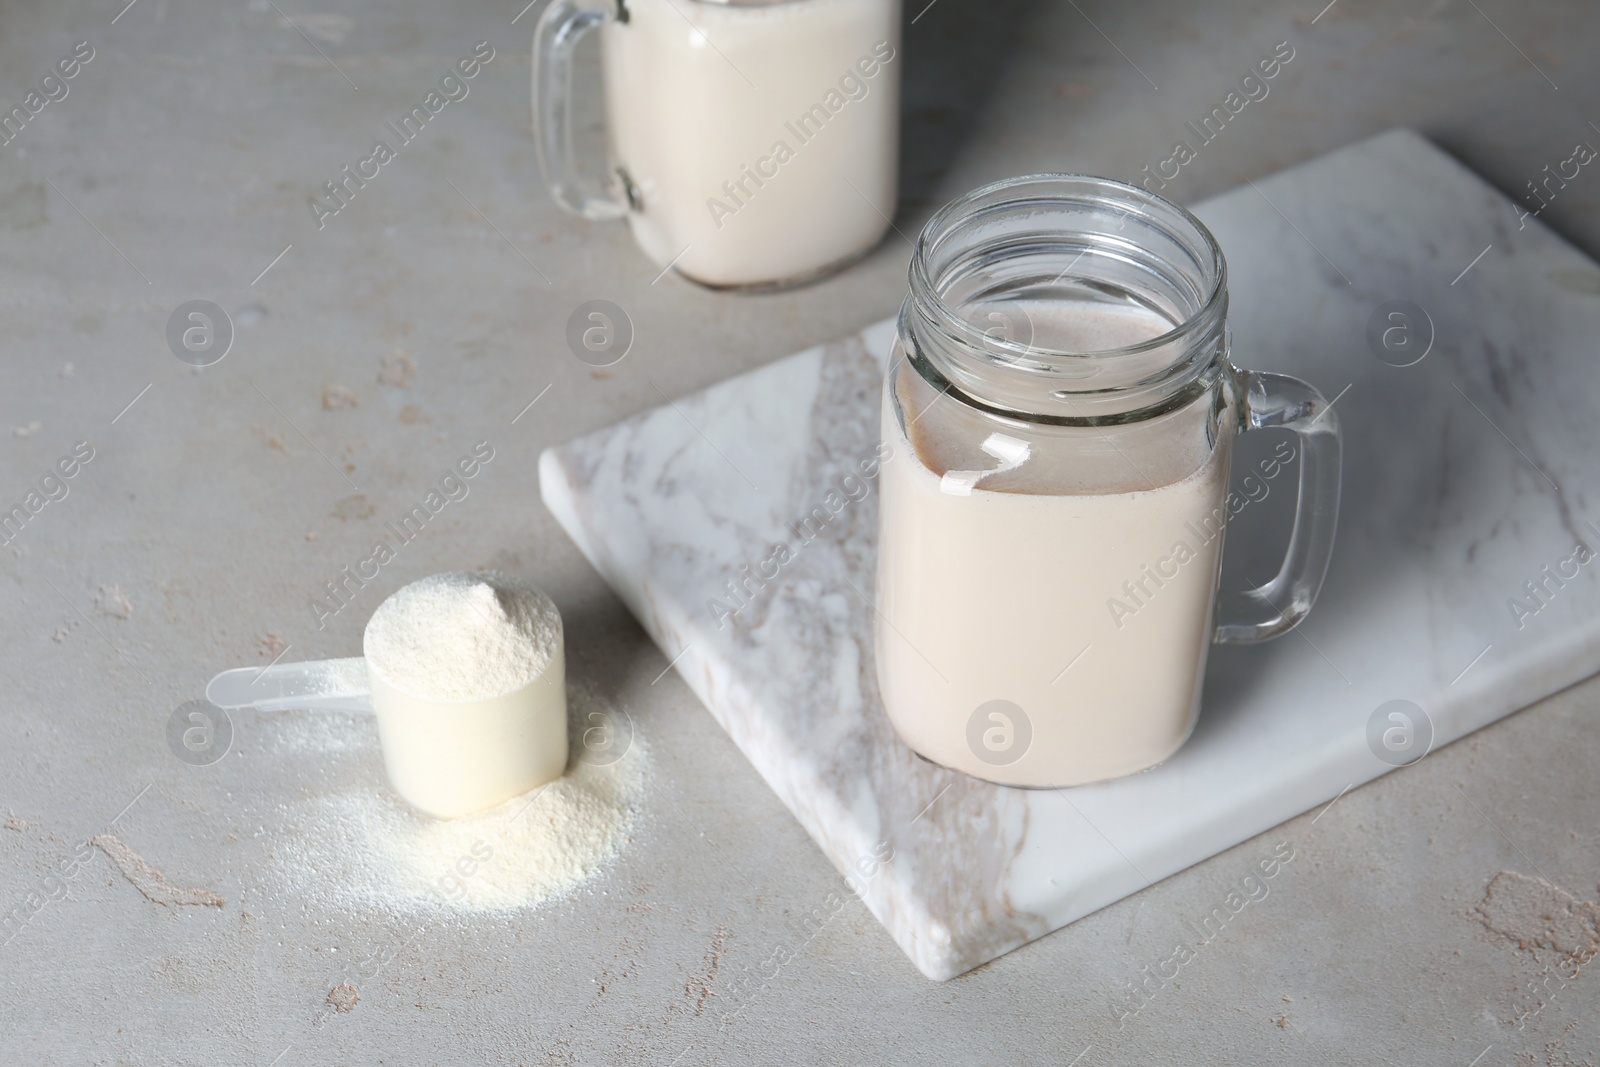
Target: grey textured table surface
181	163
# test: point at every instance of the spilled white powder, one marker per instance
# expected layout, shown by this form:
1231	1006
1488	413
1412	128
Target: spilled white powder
463	636
350	842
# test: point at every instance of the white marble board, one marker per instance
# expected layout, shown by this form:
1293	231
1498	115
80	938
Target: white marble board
1464	475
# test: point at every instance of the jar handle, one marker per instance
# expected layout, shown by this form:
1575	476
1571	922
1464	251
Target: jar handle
561	27
1275	608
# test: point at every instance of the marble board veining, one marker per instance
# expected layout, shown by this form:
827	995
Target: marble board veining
1465	474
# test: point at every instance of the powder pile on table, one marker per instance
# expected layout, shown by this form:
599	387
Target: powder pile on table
352	843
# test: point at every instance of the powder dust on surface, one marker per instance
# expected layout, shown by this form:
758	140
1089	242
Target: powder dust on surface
350	843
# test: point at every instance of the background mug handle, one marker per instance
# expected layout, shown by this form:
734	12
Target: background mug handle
561	27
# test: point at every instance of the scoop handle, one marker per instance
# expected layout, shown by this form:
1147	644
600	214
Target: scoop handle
317	685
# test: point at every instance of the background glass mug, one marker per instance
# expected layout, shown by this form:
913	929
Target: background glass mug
1061	411
752	142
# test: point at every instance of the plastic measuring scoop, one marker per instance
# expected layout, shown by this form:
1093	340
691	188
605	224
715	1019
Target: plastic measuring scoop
318	685
445	758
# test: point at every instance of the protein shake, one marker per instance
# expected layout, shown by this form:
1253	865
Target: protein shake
759	141
1033	630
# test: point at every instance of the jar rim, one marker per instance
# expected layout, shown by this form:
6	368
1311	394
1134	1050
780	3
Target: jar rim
949	218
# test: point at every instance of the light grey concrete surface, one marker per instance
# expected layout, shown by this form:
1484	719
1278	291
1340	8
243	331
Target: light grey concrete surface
179	165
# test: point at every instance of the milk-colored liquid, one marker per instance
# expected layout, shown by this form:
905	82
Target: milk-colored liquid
1004	595
712	112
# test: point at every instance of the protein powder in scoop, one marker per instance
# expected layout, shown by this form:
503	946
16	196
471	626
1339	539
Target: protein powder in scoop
468	675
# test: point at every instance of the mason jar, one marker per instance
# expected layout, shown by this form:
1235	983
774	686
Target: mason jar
752	143
1060	412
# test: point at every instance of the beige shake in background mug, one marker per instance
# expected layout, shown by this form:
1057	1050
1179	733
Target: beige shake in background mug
1061	410
752	142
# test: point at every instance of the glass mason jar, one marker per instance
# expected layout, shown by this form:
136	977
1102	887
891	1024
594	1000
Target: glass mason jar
752	142
1060	411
